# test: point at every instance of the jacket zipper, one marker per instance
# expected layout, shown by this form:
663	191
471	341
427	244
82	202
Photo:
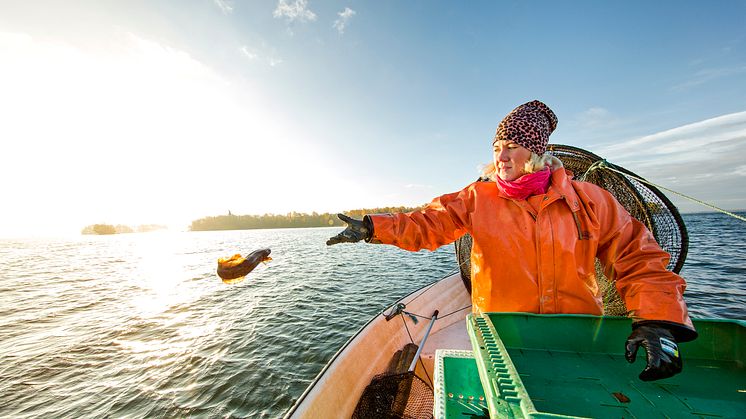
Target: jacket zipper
538	262
540	276
581	236
526	207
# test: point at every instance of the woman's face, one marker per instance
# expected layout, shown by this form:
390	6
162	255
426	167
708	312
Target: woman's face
510	159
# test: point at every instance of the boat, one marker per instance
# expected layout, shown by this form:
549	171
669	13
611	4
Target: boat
446	361
528	365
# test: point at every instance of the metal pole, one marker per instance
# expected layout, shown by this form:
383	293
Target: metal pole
422	342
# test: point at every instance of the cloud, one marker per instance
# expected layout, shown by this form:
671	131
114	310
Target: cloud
296	10
594	125
262	54
594	118
698	140
708	75
703	160
344	17
740	171
249	53
226	6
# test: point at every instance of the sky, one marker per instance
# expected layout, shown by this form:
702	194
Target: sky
165	111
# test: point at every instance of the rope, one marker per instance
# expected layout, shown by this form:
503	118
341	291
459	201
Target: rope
454	312
595	165
439	317
416	315
602	164
426	374
407	328
412	341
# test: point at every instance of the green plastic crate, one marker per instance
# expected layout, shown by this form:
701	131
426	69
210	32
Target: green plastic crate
458	391
543	366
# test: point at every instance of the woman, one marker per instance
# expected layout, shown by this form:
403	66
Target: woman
536	234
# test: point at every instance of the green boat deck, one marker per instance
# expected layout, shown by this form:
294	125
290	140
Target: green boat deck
549	366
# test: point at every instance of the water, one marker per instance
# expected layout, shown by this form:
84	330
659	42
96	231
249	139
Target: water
715	267
138	325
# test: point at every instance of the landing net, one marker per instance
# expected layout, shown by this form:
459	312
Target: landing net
390	396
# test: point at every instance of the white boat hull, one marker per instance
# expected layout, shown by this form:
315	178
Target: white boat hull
338	387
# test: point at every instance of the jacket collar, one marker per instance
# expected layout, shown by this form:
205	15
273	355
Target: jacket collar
561	188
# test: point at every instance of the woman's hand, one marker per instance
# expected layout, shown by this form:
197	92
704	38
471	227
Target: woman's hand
356	230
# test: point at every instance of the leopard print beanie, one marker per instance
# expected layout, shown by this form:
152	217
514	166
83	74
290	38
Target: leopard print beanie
528	125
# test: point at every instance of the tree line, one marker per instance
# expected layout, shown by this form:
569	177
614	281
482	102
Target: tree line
289	220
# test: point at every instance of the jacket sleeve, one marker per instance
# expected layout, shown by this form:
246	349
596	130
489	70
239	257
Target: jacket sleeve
442	221
633	258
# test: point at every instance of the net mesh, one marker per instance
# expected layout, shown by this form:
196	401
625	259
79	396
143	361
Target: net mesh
644	202
389	396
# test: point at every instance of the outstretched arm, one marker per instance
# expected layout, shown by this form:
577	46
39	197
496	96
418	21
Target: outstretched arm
442	221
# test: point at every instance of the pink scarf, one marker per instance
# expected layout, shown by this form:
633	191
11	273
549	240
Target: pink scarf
526	185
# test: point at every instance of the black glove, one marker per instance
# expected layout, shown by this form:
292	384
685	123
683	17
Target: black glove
356	230
663	354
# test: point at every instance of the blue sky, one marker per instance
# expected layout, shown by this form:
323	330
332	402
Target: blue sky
167	111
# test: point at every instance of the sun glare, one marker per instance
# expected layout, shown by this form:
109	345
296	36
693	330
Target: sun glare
141	133
161	274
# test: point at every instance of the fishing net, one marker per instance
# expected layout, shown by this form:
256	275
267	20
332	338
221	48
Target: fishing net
389	396
463	257
643	201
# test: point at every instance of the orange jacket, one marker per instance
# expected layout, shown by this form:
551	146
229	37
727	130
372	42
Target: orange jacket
524	260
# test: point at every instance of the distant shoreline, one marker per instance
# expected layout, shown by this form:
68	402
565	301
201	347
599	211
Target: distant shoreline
108	229
289	220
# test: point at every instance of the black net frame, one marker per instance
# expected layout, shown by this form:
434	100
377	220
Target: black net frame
463	257
642	200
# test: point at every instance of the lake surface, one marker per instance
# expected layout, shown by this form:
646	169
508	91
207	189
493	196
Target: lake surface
139	325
